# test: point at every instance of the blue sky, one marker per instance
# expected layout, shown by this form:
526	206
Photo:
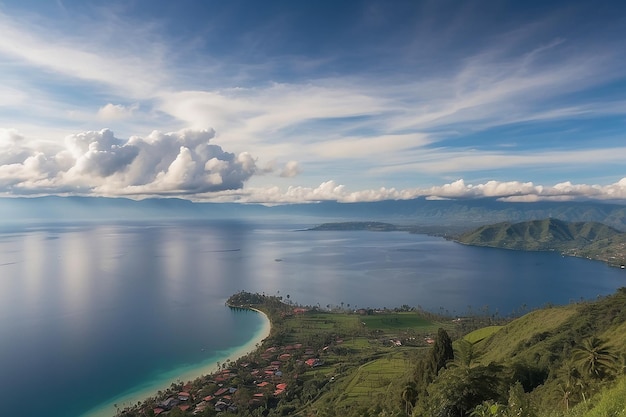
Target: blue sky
288	101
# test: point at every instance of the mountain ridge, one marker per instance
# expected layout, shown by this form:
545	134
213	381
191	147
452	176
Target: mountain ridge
584	239
465	214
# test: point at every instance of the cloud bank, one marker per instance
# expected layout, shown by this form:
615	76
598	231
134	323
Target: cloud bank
511	191
187	164
98	163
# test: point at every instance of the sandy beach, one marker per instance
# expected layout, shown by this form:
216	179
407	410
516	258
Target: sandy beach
182	374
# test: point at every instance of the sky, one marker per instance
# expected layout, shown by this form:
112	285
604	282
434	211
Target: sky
299	101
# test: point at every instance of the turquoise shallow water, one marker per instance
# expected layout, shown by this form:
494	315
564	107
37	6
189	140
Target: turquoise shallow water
90	313
186	372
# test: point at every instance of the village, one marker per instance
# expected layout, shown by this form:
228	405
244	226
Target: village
241	383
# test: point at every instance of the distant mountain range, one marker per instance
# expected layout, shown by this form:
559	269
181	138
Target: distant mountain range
465	214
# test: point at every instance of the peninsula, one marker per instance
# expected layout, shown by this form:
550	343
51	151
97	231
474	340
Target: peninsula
406	362
591	240
308	352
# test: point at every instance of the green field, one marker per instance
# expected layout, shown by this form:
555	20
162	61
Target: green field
480	334
397	321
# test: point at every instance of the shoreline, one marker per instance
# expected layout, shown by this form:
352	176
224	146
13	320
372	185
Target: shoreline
185	373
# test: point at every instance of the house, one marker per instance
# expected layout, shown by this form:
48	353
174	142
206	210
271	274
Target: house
169	403
313	362
200	407
183	396
221	405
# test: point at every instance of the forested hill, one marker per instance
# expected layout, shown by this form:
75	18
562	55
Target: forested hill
587	239
567	361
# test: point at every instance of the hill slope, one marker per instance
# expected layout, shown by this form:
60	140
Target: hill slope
587	239
545	342
543	364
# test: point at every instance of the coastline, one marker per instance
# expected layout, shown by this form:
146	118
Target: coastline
185	373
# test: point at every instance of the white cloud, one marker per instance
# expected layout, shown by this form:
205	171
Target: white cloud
116	111
98	163
458	161
291	169
378	124
375	146
504	191
250	115
187	163
134	66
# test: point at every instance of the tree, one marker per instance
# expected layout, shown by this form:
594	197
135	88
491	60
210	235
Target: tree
456	392
442	351
622	363
519	404
426	369
594	357
409	396
565	391
488	409
464	355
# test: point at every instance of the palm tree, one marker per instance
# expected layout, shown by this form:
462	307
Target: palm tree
409	396
573	379
565	393
595	357
622	363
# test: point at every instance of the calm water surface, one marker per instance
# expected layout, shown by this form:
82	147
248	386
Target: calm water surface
89	312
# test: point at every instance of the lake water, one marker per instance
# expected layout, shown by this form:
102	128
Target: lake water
89	314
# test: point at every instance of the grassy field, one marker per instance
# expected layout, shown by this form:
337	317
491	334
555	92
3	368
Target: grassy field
480	334
396	321
366	358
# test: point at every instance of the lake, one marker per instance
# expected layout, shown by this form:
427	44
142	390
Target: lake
96	314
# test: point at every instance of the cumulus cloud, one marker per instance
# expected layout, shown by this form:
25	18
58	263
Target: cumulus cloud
291	169
116	111
187	163
98	163
527	191
511	191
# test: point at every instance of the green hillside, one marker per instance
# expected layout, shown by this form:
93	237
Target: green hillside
570	361
585	239
531	367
